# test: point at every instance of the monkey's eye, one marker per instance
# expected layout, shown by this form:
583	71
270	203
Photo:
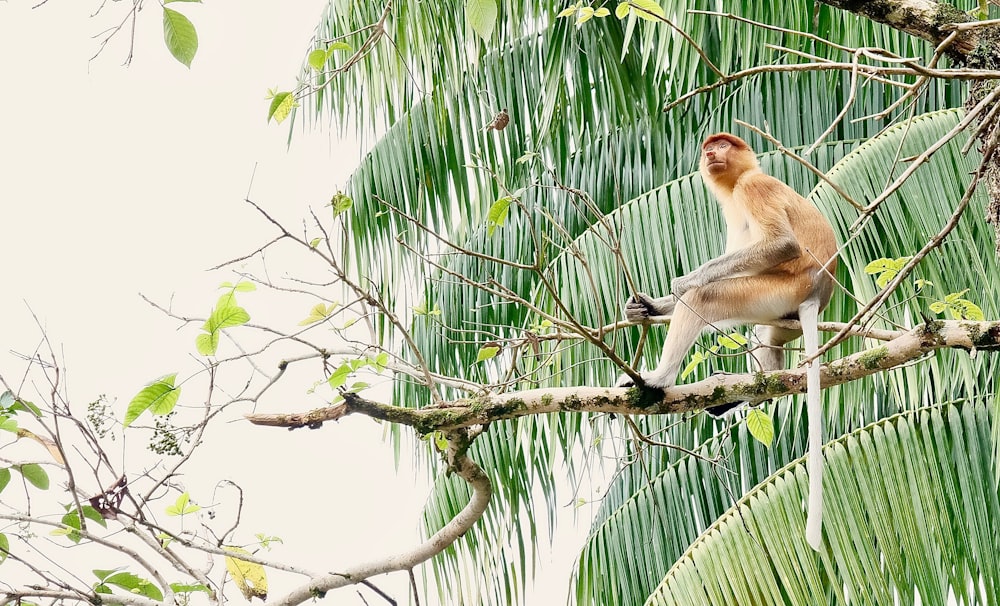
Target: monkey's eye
717	146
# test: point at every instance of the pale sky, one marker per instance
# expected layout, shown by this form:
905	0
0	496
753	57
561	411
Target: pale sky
116	181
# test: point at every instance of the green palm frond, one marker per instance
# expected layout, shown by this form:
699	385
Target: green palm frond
910	508
950	375
595	122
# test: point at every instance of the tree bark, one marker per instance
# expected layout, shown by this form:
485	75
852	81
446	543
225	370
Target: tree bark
974	48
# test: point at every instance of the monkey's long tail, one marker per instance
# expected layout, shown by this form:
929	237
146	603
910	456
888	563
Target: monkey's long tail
809	316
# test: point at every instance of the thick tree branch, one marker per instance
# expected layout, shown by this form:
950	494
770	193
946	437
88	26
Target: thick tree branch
925	19
713	391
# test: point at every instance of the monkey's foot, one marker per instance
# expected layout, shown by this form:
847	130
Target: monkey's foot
624	381
723	411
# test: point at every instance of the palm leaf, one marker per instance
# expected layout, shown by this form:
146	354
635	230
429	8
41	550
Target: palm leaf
952	375
594	120
910	508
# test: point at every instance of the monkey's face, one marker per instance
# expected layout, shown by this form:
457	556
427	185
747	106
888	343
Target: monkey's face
716	156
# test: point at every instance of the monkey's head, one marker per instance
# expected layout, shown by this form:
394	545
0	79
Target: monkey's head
724	157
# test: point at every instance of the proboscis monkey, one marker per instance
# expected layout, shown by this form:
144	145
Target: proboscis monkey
779	260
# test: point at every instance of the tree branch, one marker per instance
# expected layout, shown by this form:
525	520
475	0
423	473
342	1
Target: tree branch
716	390
482	490
925	19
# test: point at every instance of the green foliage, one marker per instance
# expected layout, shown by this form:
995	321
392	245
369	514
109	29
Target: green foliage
734	341
886	269
227	314
481	16
4	547
159	397
127	581
760	426
71	519
34	474
585	105
319	312
182	506
189	588
341	203
957	307
4	477
487	352
497	215
644	9
282	104
886	487
180	35
265	541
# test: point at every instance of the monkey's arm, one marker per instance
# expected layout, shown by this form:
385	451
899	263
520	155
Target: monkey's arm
771	238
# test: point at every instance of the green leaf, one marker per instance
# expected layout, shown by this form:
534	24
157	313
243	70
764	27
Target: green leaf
180	36
317	59
569	10
971	311
34	474
645	9
696	359
4	478
622	10
440	441
72	520
337	46
318	313
585	14
186	588
486	352
281	106
207	344
244	286
93	515
339	376
7	424
102	574
481	15
4	547
159	397
381	361
732	341
497	215
226	314
27	406
340	203
761	427
182	506
602	12
135	584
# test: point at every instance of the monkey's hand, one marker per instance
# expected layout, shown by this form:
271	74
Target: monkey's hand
640	307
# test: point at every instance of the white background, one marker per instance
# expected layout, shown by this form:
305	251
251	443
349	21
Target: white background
119	180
